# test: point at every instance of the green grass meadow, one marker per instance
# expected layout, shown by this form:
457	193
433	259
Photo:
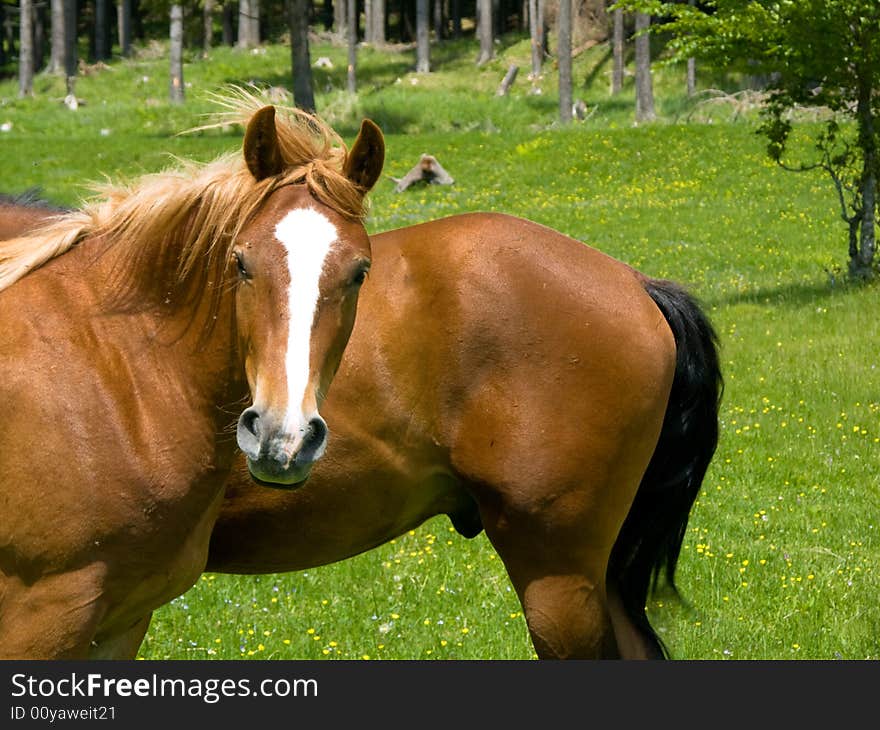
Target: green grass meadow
781	554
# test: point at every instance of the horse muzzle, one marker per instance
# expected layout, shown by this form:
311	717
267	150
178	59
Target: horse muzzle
277	458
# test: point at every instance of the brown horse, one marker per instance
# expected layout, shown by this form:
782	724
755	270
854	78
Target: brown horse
133	329
390	464
518	380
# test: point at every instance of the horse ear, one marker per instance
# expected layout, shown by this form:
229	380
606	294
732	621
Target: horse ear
365	159
261	150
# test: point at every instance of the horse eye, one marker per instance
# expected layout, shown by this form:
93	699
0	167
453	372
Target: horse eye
239	262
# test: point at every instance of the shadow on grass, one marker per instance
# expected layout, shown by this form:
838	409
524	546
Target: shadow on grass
597	69
544	105
370	76
390	121
792	295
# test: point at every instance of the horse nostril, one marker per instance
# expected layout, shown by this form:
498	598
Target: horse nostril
314	441
318	429
249	432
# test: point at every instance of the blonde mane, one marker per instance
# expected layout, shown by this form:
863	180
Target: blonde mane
186	218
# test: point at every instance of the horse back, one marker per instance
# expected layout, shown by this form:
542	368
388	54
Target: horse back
510	338
489	292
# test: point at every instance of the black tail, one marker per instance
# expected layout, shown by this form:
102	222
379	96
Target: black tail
650	540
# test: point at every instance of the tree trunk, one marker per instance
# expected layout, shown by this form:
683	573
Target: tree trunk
39	31
868	242
405	27
691	68
644	87
351	29
563	53
254	18
56	53
26	49
456	18
102	46
123	14
207	26
617	53
340	17
484	30
176	91
423	44
536	24
244	24
439	24
71	56
39	20
861	265
379	22
303	88
542	29
228	23
508	80
368	21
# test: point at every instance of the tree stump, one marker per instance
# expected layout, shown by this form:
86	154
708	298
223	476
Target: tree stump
428	170
508	80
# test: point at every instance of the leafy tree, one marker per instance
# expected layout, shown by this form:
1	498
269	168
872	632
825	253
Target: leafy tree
817	53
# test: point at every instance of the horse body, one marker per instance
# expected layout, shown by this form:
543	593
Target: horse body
508	377
89	425
124	367
516	380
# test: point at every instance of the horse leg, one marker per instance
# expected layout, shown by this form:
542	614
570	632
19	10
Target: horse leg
55	617
121	645
553	515
568	617
553	499
560	584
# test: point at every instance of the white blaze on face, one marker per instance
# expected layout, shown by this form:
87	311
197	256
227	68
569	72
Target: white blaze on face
307	236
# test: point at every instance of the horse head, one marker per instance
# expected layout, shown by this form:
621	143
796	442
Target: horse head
299	263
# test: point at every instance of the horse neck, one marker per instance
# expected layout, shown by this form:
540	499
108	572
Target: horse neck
196	330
